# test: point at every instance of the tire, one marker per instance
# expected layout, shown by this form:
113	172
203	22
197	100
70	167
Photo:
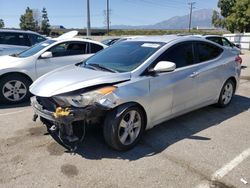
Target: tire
14	89
119	131
226	94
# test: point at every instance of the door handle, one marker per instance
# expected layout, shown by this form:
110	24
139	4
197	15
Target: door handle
194	74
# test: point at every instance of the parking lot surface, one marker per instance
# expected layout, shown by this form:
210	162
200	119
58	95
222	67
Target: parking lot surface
209	147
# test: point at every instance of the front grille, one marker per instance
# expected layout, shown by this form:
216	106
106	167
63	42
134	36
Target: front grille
47	103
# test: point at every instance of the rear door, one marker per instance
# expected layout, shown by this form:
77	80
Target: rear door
210	67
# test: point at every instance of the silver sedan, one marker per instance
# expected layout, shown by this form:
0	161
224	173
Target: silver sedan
133	86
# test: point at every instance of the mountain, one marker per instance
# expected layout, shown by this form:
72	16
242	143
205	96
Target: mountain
200	18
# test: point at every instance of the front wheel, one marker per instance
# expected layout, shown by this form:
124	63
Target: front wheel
14	89
123	131
226	94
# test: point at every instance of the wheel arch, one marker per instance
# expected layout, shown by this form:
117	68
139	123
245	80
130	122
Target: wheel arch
122	107
233	79
17	73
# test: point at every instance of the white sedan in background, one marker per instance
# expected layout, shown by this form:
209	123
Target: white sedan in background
223	41
18	71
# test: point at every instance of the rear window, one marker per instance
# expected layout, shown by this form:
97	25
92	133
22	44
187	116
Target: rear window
95	48
216	40
12	38
36	39
207	51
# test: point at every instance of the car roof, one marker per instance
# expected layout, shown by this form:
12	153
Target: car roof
205	36
18	31
78	39
164	38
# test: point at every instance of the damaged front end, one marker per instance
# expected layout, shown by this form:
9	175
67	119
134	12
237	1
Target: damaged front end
67	116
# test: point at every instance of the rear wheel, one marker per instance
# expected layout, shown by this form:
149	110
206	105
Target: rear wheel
14	89
226	94
123	131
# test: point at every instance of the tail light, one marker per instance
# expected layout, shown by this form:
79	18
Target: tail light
238	59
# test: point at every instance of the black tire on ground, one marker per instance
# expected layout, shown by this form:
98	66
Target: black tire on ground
221	102
112	123
14	77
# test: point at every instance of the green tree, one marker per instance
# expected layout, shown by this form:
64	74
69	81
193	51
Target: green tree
1	23
27	21
45	27
236	15
240	16
217	20
226	7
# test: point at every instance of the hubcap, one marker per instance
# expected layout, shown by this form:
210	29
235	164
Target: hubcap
227	93
14	90
129	127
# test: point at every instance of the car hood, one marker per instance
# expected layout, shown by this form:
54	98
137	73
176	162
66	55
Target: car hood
11	49
7	61
71	78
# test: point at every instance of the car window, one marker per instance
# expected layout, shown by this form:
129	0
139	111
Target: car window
216	40
12	38
95	48
124	56
180	54
207	51
36	48
226	43
36	39
68	49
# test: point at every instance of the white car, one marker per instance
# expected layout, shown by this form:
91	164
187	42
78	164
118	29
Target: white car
223	42
17	72
16	41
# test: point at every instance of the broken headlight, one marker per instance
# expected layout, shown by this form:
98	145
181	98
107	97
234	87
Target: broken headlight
87	98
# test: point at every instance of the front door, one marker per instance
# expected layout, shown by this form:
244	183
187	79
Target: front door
65	53
174	92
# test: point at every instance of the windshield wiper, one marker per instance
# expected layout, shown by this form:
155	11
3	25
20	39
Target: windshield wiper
14	55
98	66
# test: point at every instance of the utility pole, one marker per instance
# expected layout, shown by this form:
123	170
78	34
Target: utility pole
108	17
88	20
190	15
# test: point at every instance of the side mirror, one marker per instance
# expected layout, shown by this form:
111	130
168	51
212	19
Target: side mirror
164	66
46	55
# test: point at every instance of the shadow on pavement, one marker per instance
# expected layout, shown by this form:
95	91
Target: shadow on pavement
2	106
160	137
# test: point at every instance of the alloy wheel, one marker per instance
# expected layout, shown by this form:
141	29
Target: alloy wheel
227	93
14	90
129	127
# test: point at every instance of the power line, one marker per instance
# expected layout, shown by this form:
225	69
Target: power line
159	5
190	15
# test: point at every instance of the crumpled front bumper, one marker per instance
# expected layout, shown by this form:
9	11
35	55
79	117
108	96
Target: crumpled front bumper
76	114
63	125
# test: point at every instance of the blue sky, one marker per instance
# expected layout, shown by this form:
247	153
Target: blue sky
72	14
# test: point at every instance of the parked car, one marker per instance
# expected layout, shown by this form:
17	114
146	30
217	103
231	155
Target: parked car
16	41
18	71
224	42
113	41
133	86
110	41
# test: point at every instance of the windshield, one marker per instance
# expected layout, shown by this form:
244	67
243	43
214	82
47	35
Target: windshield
125	56
33	50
